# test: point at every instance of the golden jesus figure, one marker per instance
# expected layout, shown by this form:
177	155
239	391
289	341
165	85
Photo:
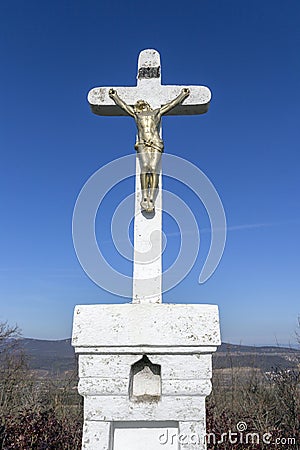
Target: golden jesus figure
149	144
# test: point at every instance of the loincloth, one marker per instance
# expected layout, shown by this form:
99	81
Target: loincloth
150	145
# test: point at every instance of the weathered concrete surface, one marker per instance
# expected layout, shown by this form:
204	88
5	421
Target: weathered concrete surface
109	366
112	340
147	258
130	325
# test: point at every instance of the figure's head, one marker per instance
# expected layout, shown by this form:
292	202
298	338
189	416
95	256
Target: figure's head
141	105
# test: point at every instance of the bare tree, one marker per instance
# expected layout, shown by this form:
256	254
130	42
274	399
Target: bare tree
13	368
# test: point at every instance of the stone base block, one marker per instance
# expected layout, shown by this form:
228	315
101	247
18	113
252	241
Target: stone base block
145	370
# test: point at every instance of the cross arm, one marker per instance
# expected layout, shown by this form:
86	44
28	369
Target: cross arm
119	102
196	103
176	101
103	105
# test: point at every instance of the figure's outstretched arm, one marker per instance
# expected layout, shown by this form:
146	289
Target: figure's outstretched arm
118	101
168	106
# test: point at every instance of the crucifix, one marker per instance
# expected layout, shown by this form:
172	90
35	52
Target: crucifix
146	103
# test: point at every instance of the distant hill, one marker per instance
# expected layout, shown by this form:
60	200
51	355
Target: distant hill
58	356
264	358
50	356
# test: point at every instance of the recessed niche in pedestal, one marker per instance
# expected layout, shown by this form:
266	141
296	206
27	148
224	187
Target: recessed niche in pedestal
145	381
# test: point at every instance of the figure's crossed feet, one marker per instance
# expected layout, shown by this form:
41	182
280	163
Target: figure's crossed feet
150	205
147	205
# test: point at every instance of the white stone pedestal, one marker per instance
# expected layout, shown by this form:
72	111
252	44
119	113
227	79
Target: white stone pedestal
145	370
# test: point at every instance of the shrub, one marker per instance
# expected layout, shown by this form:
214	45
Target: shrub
41	431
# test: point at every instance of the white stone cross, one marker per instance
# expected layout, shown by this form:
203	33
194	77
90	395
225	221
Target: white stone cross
147	265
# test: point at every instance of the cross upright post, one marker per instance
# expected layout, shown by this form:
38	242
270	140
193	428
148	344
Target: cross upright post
147	265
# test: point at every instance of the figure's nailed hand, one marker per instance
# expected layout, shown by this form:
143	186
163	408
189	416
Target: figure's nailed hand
112	92
186	91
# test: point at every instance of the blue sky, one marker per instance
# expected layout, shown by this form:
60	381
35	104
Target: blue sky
247	52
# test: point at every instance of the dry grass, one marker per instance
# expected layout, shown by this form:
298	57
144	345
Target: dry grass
265	404
35	413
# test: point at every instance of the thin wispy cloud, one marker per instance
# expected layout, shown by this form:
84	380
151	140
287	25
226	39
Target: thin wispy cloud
249	226
241	227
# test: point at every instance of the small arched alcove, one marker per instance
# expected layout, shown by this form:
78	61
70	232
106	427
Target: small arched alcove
145	381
